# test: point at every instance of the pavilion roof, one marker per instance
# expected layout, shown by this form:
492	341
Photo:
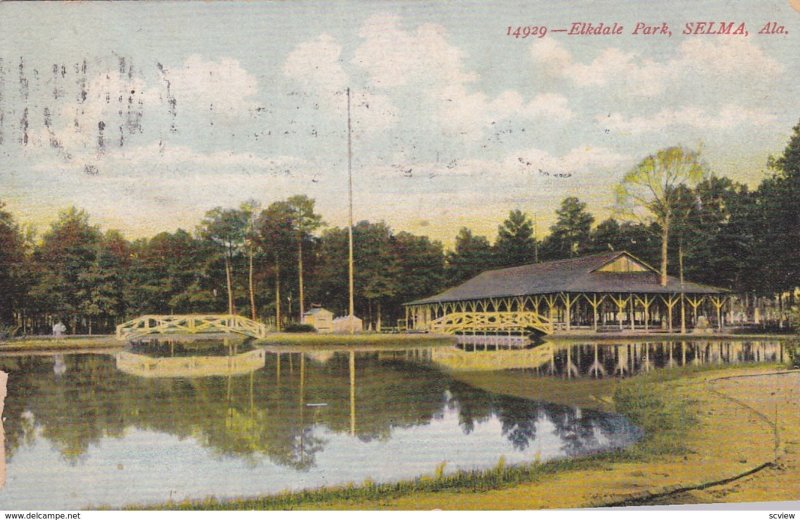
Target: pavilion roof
574	275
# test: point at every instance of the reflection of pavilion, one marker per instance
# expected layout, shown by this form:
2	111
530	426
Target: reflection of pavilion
597	360
190	366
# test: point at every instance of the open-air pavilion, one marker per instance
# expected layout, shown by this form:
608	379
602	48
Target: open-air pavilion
602	292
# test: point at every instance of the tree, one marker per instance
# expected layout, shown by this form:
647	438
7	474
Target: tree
250	210
713	230
67	253
570	235
225	228
274	238
102	286
421	267
304	222
167	275
515	241
649	190
12	257
777	197
472	255
377	277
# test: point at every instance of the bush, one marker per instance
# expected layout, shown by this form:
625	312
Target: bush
299	327
793	350
794	318
8	331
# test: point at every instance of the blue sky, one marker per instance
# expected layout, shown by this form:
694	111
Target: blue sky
455	123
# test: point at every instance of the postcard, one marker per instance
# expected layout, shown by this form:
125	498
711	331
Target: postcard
382	255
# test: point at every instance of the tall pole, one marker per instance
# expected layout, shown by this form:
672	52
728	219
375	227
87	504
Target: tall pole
535	242
350	227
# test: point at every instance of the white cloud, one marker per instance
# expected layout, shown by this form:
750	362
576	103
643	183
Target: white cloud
551	106
117	106
394	57
696	60
316	65
223	84
424	59
727	118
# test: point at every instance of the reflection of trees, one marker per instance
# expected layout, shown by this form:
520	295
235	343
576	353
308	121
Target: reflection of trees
264	414
474	406
578	430
244	416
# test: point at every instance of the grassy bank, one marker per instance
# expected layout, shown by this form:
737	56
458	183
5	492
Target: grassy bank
273	339
63	342
346	340
686	442
327	340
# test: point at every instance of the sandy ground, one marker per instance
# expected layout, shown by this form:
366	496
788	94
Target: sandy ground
777	397
736	434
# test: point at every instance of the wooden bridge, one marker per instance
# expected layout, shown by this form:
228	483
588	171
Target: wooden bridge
190	324
489	322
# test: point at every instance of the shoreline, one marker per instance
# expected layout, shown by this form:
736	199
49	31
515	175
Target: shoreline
315	341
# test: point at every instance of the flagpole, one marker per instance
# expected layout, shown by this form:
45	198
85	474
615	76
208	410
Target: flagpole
350	227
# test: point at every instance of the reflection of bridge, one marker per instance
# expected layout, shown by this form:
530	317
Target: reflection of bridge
190	366
459	360
488	322
190	324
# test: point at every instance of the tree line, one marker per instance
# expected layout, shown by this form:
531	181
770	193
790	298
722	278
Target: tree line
273	263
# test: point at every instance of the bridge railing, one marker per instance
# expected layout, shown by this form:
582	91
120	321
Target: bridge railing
190	324
519	321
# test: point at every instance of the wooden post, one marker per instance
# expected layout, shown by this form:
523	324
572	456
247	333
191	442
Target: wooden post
670	302
551	302
568	301
646	301
633	318
718	303
595	303
683	314
620	303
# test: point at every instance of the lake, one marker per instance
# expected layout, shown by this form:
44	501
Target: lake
166	421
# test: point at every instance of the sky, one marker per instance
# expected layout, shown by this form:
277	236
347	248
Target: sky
149	114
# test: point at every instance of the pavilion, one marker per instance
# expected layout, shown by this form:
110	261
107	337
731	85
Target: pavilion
602	292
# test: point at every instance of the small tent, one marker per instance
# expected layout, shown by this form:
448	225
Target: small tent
347	324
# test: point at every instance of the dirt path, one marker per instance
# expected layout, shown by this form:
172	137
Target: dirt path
777	397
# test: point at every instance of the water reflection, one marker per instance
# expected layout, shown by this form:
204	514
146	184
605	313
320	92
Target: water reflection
598	360
296	420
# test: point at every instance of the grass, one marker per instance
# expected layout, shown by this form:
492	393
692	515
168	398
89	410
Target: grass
472	481
272	339
367	339
63	342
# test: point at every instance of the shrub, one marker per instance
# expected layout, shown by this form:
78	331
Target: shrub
793	350
299	327
794	318
8	331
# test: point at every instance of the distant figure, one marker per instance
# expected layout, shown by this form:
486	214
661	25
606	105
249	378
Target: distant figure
59	329
59	365
702	326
